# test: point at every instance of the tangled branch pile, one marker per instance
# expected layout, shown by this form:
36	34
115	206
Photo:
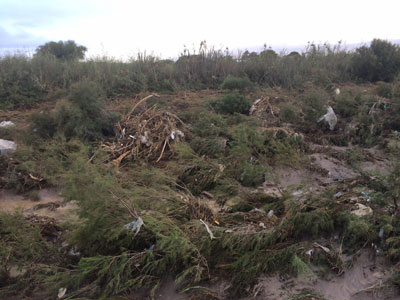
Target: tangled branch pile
146	135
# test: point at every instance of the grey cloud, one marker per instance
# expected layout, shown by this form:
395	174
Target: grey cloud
22	39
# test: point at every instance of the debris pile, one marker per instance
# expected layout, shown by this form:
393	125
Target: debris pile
263	108
146	135
48	226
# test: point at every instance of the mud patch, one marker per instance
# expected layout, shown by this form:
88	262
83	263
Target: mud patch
50	204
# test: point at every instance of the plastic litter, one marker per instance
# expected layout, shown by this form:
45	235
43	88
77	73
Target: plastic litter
208	230
177	132
337	91
270	213
74	252
380	234
338	195
309	252
330	118
366	196
151	248
362	210
135	225
7	147
325	249
61	292
6	124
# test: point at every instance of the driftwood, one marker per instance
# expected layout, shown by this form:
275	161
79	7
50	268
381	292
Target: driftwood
145	135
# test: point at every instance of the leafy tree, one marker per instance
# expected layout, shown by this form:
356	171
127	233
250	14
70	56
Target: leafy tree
379	62
63	50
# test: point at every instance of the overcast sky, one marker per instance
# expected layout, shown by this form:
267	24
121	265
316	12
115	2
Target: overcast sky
122	28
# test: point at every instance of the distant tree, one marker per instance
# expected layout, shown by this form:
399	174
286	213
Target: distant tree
379	62
268	54
63	50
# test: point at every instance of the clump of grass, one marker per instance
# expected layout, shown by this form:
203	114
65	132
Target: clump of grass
290	113
82	116
314	108
385	89
231	103
236	83
22	246
357	231
347	105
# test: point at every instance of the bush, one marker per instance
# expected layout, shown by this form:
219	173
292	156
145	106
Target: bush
290	113
314	108
379	62
385	89
231	103
236	83
209	125
347	105
251	175
82	116
212	147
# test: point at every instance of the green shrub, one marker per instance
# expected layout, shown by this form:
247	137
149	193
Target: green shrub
212	147
314	107
209	125
82	116
236	83
312	224
385	89
347	105
290	113
251	175
19	86
378	62
357	231
231	103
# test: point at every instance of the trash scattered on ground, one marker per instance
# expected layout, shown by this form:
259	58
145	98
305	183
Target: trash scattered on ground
74	252
380	234
135	225
146	135
362	210
61	292
337	91
330	118
6	124
7	147
366	196
151	248
325	249
208	230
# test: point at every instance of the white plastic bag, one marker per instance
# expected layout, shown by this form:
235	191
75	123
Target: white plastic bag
330	118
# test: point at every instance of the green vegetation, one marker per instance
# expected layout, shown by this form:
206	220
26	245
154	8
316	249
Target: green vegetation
68	50
236	83
215	206
231	103
25	81
378	62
